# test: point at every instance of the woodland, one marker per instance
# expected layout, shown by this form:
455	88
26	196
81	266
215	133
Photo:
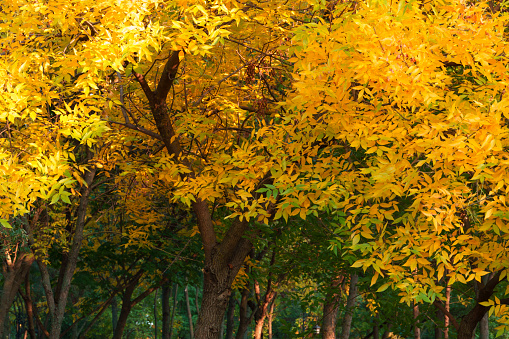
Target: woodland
208	169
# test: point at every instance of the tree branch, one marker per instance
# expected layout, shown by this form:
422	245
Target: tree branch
441	307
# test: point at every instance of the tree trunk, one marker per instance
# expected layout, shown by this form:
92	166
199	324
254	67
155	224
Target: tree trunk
439	318
60	300
155	316
165	305
29	306
224	259
350	304
15	268
469	322
271	317
219	273
331	309
189	314
244	320
417	330
175	301
376	327
447	308
484	327
230	317
126	308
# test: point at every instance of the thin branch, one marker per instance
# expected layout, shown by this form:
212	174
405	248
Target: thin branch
138	128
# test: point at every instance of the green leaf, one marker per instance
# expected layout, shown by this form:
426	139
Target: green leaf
5	223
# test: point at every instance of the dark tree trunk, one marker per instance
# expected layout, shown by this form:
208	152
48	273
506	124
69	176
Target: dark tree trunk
376	327
439	333
165	305
71	258
230	317
244	320
29	306
350	304
126	308
484	327
15	268
189	314
331	309
175	301
271	317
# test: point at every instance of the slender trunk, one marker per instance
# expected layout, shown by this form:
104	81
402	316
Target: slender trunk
484	327
126	308
29	306
438	330
484	324
376	327
271	317
262	312
128	304
189	314
387	331
230	317
244	320
175	301
72	257
155	315
331	309
165	305
349	309
417	330
447	308
197	300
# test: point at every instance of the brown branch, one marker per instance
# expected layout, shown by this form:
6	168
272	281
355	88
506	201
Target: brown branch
148	291
138	128
442	308
168	75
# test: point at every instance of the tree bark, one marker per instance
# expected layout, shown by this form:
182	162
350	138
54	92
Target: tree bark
331	308
128	304
189	314
376	327
126	307
471	319
350	304
165	305
155	316
230	317
484	327
271	317
417	330
175	301
15	268
244	320
29	306
447	308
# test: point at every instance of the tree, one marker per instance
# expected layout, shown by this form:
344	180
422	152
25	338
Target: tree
413	95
